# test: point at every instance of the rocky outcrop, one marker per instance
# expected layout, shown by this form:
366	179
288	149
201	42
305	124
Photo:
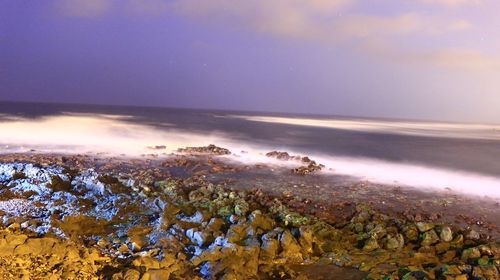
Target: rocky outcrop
84	225
210	149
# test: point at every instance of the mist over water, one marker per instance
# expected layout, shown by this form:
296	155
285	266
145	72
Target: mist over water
121	134
428	129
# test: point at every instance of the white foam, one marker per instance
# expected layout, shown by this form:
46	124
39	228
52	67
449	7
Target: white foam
114	135
109	134
408	174
433	129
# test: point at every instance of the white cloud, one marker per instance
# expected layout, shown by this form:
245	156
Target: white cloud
452	3
83	8
399	37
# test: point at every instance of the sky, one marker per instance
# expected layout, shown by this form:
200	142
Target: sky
417	59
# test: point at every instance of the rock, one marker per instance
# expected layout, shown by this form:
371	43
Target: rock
395	242
16	239
131	274
458	242
446	234
451	270
260	221
306	240
197	237
210	149
279	155
442	247
370	245
123	249
14	227
215	225
488	250
237	232
294	220
483	261
429	237
378	231
411	233
159	274
423	227
35	246
361	217
291	249
308	169
225	212
269	247
472	235
147	262
456	277
471	253
241	208
485	272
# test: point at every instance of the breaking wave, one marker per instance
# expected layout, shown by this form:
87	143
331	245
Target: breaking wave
115	135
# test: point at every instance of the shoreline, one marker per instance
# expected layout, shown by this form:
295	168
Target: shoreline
349	208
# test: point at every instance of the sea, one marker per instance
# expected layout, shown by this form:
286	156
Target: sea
464	157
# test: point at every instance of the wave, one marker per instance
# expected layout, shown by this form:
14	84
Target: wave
429	129
115	135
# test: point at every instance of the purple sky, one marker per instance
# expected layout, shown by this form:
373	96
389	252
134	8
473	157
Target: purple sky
430	59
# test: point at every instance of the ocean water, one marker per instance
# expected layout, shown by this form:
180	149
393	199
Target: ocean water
434	155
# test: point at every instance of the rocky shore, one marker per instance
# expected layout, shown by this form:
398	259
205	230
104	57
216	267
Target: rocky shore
190	216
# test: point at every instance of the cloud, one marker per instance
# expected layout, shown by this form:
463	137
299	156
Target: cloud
291	18
84	8
148	7
331	21
452	3
453	58
464	59
401	37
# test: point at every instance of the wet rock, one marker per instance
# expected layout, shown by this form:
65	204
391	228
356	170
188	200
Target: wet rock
131	274
442	247
395	242
485	272
429	237
362	217
279	155
237	232
423	227
260	221
35	246
269	247
490	250
376	231
188	228
290	248
306	170
471	253
158	274
294	220
370	245
411	233
472	235
306	240
446	234
197	237
210	149
458	241
241	208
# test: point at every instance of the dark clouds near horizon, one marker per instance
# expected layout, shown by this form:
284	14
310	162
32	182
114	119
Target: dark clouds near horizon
430	59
